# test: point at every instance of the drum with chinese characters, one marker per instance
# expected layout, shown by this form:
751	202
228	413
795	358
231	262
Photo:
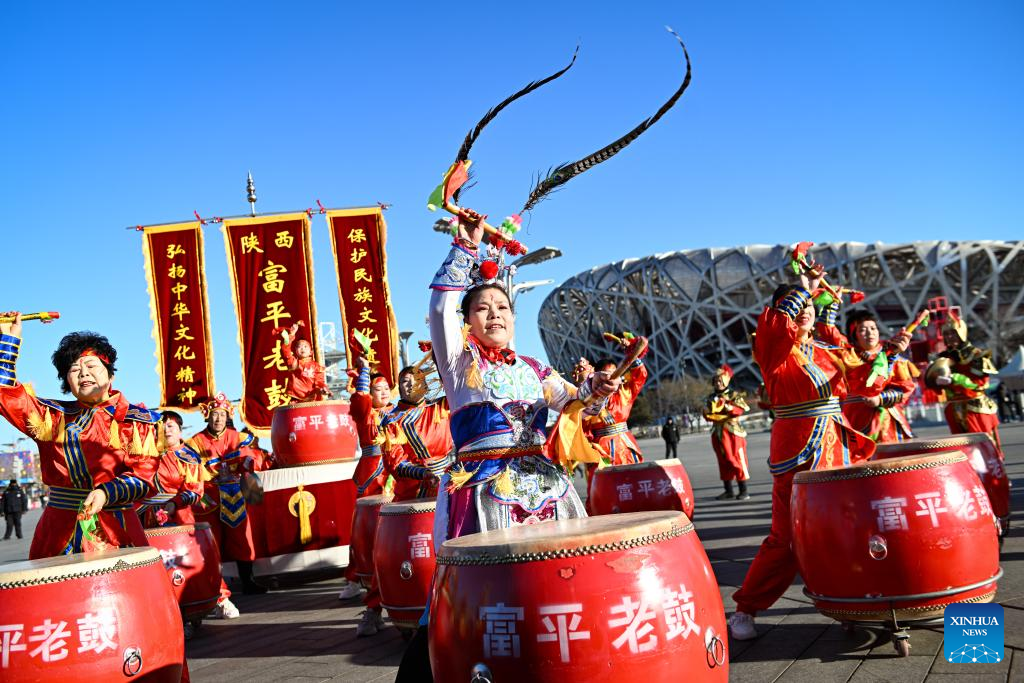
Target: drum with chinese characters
901	536
981	452
615	598
192	560
653	485
403	556
313	433
364	529
108	616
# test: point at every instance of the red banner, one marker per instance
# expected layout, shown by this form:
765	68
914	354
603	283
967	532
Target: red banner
358	237
175	277
270	264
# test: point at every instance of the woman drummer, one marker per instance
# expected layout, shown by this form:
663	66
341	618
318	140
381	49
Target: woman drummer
97	453
804	382
499	476
882	384
178	481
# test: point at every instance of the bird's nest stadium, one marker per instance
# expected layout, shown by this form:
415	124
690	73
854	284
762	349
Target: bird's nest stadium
698	307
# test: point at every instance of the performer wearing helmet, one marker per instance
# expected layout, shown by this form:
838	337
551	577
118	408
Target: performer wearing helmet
969	408
805	384
178	481
308	381
414	432
228	455
723	409
879	381
97	453
608	428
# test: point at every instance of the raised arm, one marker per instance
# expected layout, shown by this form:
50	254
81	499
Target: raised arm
777	331
445	326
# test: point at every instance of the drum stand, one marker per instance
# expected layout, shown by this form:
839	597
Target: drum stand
898	632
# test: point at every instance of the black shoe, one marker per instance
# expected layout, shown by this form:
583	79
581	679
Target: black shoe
743	496
727	495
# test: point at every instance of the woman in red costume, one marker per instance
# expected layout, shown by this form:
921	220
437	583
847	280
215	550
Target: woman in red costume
97	452
371	403
804	381
723	409
178	481
881	384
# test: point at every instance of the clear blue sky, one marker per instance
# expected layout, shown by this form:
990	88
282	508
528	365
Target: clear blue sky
805	120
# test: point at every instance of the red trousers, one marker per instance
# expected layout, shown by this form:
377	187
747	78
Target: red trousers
774	567
731	451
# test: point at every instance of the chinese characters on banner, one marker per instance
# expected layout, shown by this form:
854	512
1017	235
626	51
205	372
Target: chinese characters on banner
270	264
175	277
358	237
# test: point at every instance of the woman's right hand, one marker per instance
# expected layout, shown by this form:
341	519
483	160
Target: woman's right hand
810	279
471	226
12	329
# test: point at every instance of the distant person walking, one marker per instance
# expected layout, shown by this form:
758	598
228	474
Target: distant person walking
670	433
15	504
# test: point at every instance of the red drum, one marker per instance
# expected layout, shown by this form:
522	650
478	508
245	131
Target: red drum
910	534
981	453
364	528
313	433
652	485
303	521
106	616
616	598
192	561
403	555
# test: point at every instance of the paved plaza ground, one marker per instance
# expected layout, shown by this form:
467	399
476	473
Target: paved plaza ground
305	634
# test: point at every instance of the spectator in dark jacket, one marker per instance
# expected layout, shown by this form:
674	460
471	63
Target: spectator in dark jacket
670	433
15	503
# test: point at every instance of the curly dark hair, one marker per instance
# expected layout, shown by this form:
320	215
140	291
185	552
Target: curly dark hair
70	349
856	317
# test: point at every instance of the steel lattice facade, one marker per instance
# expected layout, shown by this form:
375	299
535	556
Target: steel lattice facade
699	307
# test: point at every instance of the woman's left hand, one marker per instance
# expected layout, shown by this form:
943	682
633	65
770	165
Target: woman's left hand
94	502
603	385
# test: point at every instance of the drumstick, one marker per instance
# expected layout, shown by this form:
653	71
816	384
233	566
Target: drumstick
921	319
43	316
623	367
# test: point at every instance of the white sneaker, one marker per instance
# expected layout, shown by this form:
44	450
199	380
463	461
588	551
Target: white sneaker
350	590
225	610
741	626
370	624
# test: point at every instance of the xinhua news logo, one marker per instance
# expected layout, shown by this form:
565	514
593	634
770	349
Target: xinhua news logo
973	633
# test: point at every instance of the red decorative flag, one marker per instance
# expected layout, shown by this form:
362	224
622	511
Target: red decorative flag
271	268
358	237
176	279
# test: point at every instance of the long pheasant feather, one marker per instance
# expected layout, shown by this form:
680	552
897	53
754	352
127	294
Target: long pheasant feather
471	137
566	172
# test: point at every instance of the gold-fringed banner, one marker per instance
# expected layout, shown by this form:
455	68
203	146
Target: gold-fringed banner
358	237
270	263
176	279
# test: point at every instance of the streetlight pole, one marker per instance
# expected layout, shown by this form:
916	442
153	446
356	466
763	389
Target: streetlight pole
404	347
